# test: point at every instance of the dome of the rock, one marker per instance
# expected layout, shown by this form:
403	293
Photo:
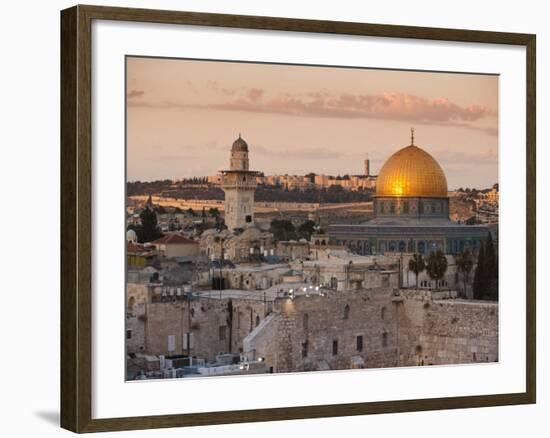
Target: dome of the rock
411	172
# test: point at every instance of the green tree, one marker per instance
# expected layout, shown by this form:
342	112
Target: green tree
436	265
486	275
306	229
283	229
491	268
480	275
464	264
149	230
417	265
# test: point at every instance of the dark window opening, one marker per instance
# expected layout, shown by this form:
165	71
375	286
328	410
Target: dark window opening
359	343
335	347
384	339
222	332
248	218
346	312
128	334
305	348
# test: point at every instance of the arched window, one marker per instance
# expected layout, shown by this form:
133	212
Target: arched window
305	321
383	312
257	320
346	312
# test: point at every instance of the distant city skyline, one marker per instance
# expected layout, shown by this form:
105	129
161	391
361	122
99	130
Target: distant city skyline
183	116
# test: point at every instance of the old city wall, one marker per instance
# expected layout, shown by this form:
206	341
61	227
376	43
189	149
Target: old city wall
263	341
213	324
317	332
419	327
446	331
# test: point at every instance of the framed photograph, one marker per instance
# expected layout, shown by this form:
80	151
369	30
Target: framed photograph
270	218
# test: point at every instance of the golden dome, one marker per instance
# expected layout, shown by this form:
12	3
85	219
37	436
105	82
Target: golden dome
411	172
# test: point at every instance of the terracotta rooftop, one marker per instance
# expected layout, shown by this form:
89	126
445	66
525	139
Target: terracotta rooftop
132	247
174	239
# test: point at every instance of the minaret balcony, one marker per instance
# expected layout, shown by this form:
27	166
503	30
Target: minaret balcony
239	185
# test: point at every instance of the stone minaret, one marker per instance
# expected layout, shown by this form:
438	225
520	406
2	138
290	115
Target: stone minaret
239	184
367	166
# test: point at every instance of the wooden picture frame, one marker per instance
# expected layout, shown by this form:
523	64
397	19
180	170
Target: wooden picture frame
76	218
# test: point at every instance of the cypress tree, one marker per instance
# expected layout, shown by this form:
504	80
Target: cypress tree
149	230
480	276
490	260
491	267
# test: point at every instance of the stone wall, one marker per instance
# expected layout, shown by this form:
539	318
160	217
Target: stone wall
213	323
136	295
321	332
254	278
433	332
346	277
318	332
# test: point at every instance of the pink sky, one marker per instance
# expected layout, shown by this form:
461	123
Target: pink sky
183	116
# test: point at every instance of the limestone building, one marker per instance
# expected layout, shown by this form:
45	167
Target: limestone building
411	211
296	326
239	184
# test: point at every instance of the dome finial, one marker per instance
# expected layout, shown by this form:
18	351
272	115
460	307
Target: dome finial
412	136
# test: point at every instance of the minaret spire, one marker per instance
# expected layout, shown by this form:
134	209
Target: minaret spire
412	136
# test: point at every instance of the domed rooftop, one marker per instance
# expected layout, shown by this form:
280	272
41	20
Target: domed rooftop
239	145
131	236
411	172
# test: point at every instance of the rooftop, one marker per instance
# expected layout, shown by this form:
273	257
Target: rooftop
174	239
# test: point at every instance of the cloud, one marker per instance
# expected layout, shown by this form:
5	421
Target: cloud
390	106
393	106
135	93
317	153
